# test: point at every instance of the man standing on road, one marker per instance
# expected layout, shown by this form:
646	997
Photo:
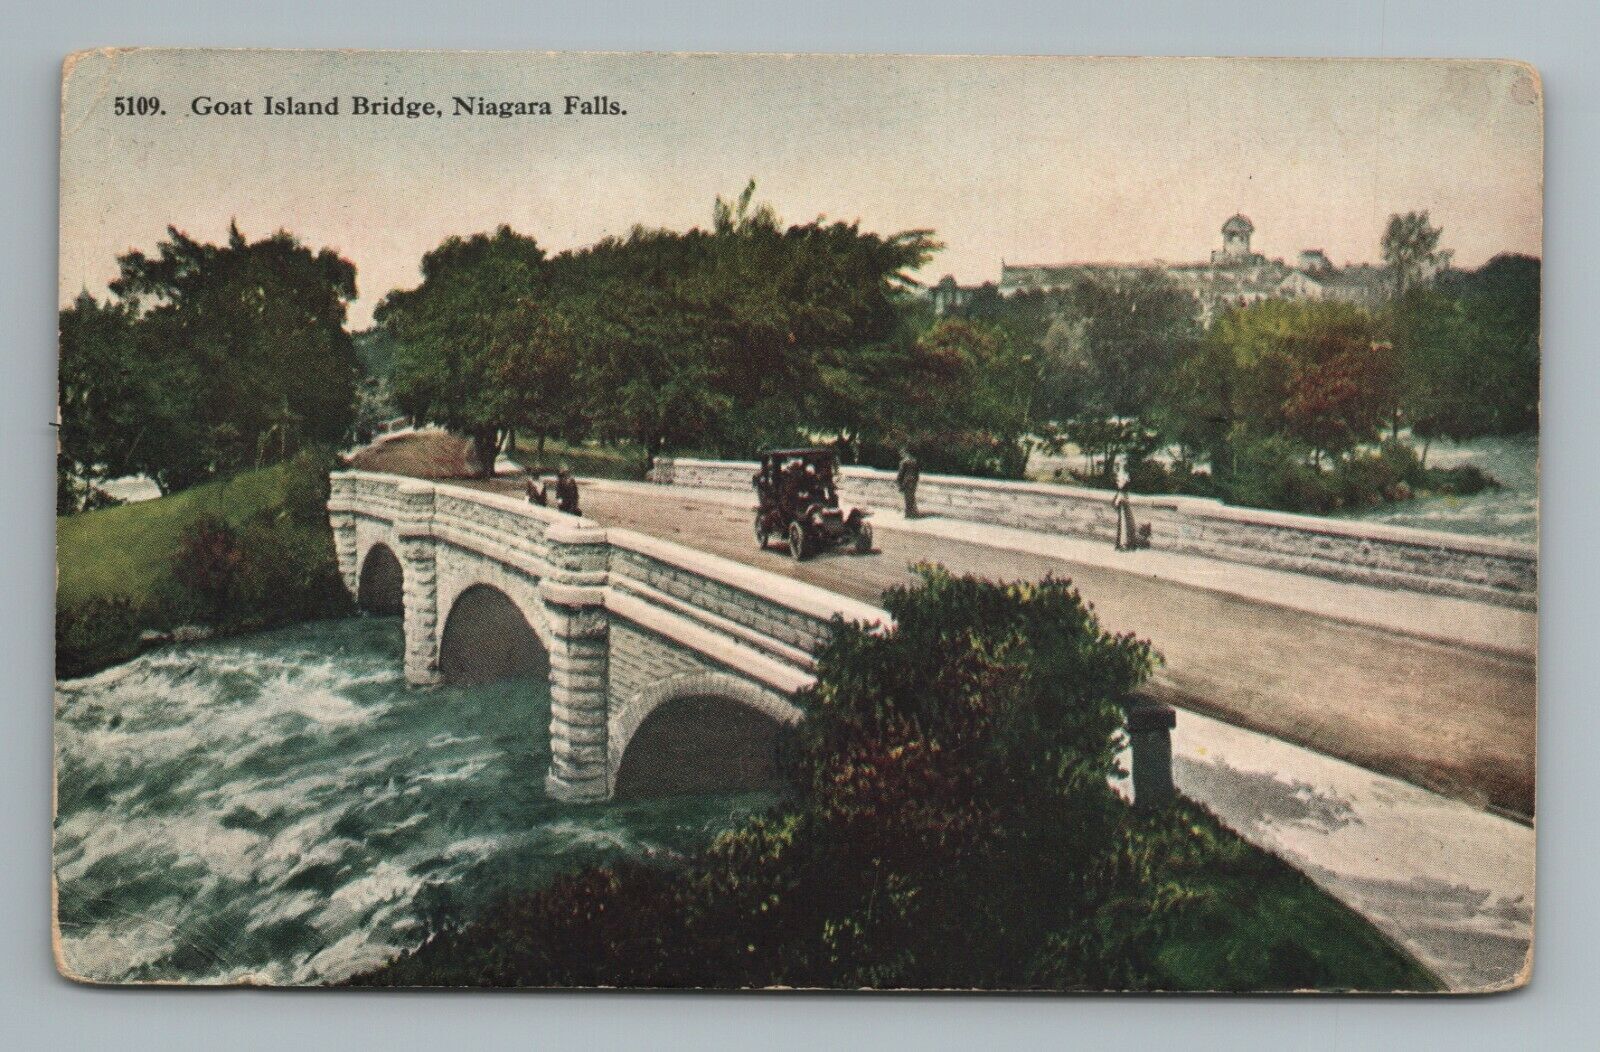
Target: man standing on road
566	492
906	479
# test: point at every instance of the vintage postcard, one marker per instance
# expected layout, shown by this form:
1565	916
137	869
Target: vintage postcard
797	522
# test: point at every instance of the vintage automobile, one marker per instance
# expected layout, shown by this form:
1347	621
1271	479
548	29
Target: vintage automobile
799	504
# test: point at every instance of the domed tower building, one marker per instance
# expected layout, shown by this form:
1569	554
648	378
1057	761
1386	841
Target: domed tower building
1236	242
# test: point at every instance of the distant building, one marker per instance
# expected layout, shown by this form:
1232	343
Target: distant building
1235	276
948	296
1235	251
1314	261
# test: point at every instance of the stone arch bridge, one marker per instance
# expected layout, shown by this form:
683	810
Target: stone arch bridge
633	631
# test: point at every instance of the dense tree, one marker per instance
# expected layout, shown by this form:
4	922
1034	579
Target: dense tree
1113	344
1315	372
968	400
1338	398
479	297
110	411
1411	250
720	340
645	364
1438	347
212	358
1502	299
1469	351
1099	353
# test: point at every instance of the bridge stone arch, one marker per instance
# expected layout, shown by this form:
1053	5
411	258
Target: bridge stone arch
634	627
697	732
458	571
643	639
381	589
486	637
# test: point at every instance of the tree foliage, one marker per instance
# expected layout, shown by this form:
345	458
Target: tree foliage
1411	250
209	359
1114	343
1317	373
721	339
466	330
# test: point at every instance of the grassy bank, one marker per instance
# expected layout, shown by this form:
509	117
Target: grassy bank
627	463
128	550
234	554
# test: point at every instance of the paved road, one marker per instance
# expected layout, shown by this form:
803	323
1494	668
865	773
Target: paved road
1451	718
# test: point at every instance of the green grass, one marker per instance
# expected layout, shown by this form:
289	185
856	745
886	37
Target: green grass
127	550
1255	923
594	461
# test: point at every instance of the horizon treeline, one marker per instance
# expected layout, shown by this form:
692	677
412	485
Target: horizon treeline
208	359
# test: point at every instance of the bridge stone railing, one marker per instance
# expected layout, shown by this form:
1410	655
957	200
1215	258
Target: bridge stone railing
630	622
1479	568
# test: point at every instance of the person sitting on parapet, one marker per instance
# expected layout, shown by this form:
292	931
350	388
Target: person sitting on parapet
535	491
566	492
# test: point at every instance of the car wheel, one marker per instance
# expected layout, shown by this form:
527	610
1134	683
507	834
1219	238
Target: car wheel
863	539
797	541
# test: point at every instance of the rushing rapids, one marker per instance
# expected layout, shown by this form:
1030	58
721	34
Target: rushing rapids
281	808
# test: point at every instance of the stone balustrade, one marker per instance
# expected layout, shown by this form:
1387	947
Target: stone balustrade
629	623
1483	569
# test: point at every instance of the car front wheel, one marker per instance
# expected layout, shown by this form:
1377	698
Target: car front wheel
797	541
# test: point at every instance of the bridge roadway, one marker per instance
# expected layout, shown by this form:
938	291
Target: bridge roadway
1456	719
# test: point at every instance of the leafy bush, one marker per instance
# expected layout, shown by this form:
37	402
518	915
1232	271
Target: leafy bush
206	566
276	567
97	633
1278	473
1463	481
950	824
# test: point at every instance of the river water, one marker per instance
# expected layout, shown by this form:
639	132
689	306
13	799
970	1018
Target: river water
1511	510
281	808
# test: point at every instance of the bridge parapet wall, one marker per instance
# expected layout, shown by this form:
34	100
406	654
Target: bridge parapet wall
630	622
1478	568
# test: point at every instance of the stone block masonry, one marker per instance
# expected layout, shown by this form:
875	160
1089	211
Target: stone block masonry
629	623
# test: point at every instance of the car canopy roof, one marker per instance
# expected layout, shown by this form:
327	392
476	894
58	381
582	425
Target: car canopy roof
813	451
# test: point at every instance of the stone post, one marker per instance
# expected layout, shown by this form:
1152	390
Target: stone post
414	526
1150	726
661	471
344	548
574	601
341	516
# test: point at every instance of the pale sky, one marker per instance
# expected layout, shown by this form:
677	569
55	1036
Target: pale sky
1027	160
